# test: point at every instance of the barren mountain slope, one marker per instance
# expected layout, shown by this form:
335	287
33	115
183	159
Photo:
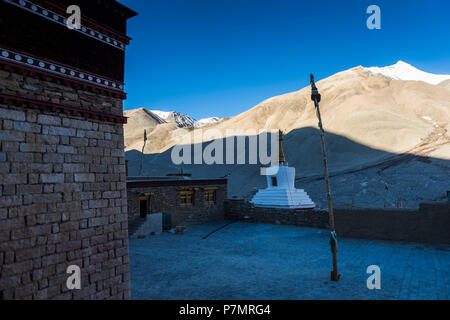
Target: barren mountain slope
445	84
370	109
138	121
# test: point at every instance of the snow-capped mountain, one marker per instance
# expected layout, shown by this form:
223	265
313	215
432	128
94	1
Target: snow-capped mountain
206	121
404	71
181	119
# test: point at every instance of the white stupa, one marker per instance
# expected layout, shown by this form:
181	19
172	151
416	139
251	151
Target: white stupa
281	191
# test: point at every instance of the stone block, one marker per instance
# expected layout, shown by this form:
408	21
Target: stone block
79	142
13	178
20	157
9	146
12	114
66	149
79	124
40	167
4	167
29	147
84	177
59	131
8	135
52	178
53	158
31	116
46	139
111	194
74	168
95	222
47	198
29	189
27	127
95	135
49	120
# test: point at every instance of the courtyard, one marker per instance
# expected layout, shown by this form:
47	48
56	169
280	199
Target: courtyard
270	262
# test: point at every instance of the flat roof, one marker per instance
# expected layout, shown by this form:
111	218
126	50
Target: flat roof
173	182
129	12
157	178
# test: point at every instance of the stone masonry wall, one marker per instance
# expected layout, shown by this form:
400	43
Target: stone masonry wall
429	224
62	196
244	211
167	200
31	88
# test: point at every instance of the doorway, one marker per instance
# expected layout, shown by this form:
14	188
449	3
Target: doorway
144	206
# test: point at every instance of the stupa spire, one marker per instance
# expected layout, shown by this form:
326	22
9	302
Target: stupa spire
281	157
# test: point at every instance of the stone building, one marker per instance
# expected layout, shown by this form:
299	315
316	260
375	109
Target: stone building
183	199
62	165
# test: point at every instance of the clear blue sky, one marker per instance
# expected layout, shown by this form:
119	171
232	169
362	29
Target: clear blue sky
222	57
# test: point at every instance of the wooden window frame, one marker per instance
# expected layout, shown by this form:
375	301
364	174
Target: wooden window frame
187	198
210	197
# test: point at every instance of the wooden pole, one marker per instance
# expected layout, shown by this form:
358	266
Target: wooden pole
142	154
315	96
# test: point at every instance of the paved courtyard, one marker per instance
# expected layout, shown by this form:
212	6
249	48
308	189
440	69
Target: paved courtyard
261	261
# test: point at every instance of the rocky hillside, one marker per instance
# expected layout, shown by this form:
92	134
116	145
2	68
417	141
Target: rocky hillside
180	119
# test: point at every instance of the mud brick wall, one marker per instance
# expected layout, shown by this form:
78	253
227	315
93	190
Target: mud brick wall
62	196
429	224
166	199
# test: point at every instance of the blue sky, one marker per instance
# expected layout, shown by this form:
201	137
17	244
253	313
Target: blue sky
219	58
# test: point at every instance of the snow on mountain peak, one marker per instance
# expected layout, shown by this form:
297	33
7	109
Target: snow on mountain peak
404	71
206	121
162	114
180	119
183	120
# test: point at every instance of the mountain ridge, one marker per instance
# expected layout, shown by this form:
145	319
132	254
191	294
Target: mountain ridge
404	71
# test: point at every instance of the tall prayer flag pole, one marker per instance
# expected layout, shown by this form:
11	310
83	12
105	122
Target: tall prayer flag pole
142	155
315	96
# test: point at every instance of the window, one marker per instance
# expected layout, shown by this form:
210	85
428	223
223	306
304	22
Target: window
210	197
187	198
274	182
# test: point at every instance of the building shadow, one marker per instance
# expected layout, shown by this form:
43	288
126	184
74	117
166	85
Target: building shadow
360	175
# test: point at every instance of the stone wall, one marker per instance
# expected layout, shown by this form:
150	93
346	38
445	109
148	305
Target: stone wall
62	195
32	88
245	211
166	199
429	224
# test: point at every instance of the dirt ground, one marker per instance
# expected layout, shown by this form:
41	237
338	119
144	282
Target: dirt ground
260	261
